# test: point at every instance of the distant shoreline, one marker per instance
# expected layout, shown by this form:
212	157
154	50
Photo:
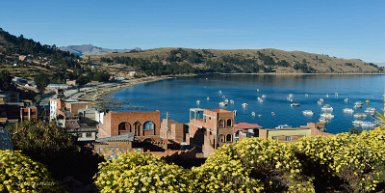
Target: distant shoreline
97	92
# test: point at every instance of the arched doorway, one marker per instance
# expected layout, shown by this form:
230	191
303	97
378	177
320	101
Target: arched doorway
137	128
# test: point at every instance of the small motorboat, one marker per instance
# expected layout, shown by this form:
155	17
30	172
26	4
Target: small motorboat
282	126
244	105
222	104
208	98
308	113
368	124
370	110
231	102
198	102
346	100
348	110
358	104
327	115
359	115
253	114
327	108
357	123
295	104
260	99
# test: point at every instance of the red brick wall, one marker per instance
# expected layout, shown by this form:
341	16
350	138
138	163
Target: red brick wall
113	119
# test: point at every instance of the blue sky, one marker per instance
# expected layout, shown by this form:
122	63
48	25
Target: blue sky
342	28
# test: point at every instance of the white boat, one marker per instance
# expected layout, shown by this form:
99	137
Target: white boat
208	98
360	115
260	99
327	115
290	97
263	96
231	102
253	114
219	92
336	94
295	104
348	110
235	112
226	101
272	114
320	101
306	95
222	104
308	113
370	110
324	120
282	126
198	102
244	105
327	95
357	123
327	108
358	104
367	124
346	100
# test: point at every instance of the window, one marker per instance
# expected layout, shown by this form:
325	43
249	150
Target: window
221	123
149	125
229	123
88	134
228	138
288	138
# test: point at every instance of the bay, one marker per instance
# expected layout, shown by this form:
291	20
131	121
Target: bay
177	96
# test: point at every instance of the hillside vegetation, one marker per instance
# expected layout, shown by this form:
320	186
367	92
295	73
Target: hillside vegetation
181	60
27	58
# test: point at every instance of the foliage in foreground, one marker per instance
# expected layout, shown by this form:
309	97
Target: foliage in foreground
19	173
341	163
53	147
141	173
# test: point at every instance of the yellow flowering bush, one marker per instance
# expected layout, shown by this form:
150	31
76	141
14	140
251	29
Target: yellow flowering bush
19	173
341	163
222	173
133	172
253	165
348	161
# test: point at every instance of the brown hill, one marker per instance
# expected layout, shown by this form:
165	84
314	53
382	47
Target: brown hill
182	60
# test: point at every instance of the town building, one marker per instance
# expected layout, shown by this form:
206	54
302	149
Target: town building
28	114
173	130
142	124
210	129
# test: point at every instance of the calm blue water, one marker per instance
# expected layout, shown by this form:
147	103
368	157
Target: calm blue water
176	96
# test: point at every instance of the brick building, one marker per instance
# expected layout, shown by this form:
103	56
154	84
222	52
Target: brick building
143	124
210	128
173	130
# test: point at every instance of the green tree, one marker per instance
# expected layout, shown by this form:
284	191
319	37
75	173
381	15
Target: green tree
6	81
41	80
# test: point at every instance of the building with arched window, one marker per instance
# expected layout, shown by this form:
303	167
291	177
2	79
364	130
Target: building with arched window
140	123
216	125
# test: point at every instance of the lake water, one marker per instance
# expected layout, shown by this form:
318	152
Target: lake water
177	96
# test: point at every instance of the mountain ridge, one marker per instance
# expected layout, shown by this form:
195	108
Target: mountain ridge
90	50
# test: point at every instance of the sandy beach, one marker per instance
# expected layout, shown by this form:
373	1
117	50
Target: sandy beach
94	92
